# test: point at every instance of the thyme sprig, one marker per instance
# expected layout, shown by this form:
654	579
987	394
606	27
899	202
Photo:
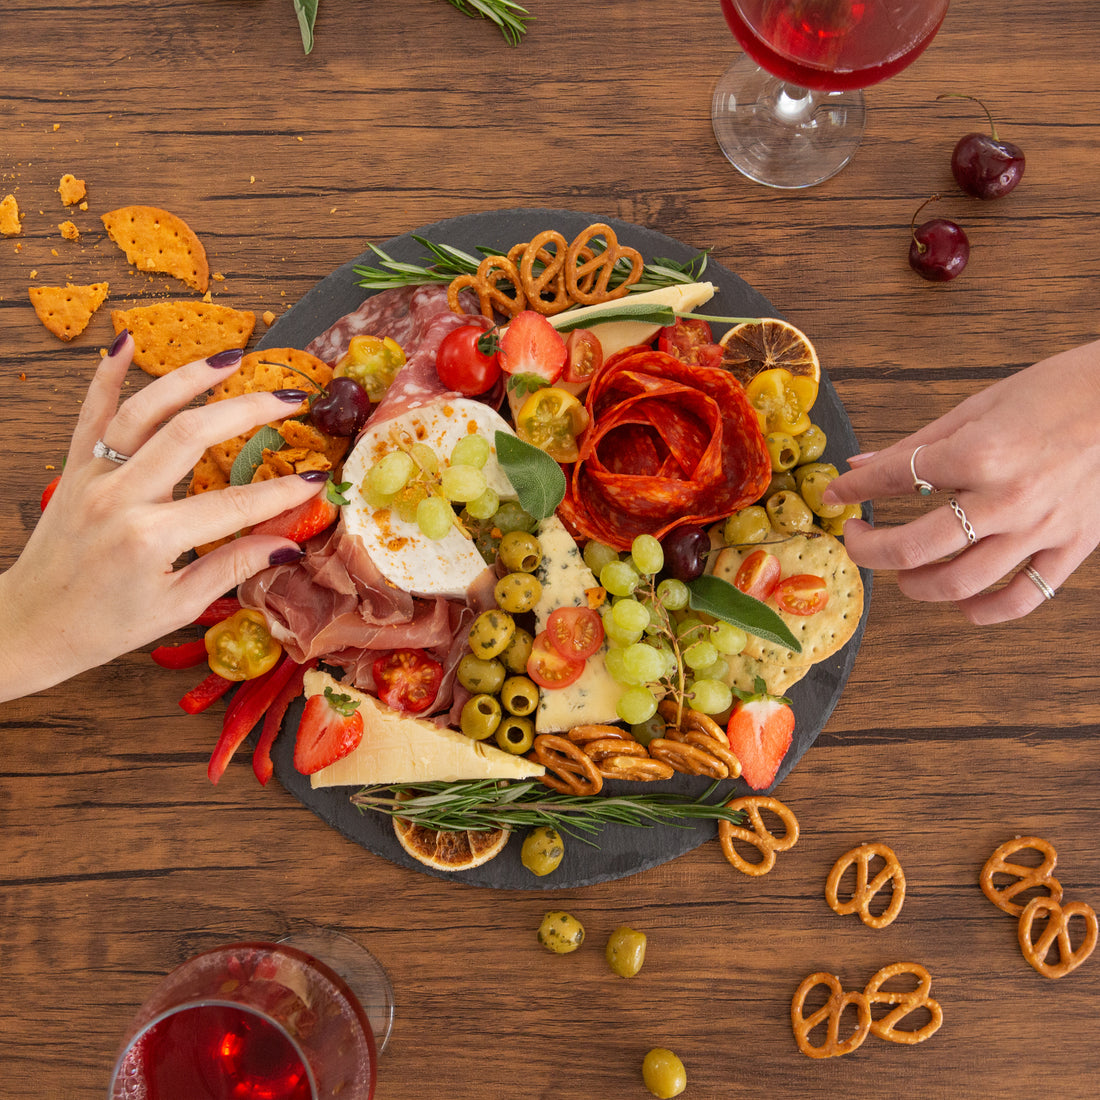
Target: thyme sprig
485	804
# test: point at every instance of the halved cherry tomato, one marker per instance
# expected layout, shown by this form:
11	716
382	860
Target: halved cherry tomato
241	647
547	667
758	575
585	356
551	419
467	360
575	632
691	340
802	594
407	679
782	400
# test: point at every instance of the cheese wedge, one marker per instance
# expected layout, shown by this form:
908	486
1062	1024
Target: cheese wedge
398	748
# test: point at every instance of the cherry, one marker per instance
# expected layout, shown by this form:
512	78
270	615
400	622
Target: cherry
686	549
940	248
984	165
343	408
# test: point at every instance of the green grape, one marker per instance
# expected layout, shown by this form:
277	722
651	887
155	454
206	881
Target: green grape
511	517
373	498
699	655
643	664
620	578
462	483
711	696
687	630
717	671
629	616
644	732
471	450
636	704
657	624
391	473
617	634
597	555
728	638
435	517
613	662
406	502
425	458
673	594
484	506
647	555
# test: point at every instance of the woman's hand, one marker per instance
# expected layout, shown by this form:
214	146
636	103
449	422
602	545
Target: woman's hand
96	577
1020	459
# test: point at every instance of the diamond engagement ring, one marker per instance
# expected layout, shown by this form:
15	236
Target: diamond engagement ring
1039	581
968	530
101	450
925	488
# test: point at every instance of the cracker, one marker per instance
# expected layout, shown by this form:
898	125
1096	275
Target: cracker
10	217
169	334
155	240
66	310
779	677
69	231
71	189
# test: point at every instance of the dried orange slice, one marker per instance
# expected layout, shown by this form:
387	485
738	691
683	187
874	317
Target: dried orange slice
754	346
450	851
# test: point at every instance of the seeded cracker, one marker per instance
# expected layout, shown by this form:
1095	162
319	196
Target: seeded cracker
169	334
66	310
155	240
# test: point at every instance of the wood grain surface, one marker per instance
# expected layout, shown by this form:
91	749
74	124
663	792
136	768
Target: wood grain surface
120	859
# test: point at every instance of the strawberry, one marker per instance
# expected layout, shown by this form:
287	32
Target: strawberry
331	727
760	732
531	346
308	519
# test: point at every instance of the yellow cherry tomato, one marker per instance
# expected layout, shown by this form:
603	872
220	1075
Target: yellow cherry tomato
782	400
373	362
241	647
551	419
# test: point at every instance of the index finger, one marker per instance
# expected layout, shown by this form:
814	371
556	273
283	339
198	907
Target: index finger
918	464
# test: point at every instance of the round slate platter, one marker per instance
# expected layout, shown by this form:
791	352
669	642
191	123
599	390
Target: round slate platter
617	850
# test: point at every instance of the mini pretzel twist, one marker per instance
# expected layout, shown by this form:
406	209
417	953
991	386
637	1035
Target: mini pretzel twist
491	273
639	769
865	888
1026	877
545	289
612	746
585	733
1057	928
568	769
686	758
601	265
832	1046
905	1002
759	836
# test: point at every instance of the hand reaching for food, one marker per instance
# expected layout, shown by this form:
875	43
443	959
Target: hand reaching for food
97	577
1011	474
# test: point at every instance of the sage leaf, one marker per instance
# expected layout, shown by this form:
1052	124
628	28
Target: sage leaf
719	598
628	311
537	479
251	455
306	11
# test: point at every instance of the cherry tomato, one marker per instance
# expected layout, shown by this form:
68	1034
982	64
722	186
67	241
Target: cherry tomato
782	400
575	632
802	594
547	667
467	361
407	679
758	575
241	647
691	340
551	419
585	356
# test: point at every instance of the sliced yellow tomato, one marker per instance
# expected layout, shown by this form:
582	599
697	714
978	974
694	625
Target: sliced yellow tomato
552	419
241	647
782	400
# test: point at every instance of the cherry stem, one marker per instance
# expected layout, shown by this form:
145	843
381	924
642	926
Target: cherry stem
922	248
975	99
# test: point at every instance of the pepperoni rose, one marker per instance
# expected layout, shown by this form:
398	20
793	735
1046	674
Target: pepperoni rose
669	443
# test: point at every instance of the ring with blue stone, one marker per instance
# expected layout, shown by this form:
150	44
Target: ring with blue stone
925	488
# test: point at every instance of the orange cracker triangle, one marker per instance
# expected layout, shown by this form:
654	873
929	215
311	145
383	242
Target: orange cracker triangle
169	334
66	310
155	240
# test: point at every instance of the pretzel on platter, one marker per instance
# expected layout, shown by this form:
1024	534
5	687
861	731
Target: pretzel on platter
1057	928
491	272
602	747
1026	877
568	769
904	1003
688	759
601	265
866	888
759	836
596	732
639	769
830	1012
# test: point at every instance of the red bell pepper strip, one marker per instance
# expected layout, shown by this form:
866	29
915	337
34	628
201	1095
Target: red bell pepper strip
220	609
250	702
205	693
187	655
273	722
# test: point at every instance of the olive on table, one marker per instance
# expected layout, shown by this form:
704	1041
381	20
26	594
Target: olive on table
520	552
663	1073
789	513
542	851
750	525
811	444
480	717
560	932
519	695
626	951
490	633
481	677
515	734
518	651
518	592
783	449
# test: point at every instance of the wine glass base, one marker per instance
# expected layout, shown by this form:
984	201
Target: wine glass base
781	135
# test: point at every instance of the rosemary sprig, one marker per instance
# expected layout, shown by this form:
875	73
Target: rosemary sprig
479	805
506	14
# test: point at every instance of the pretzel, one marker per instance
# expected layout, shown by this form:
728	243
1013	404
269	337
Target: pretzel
687	758
550	279
639	769
832	1046
904	1002
583	734
490	272
612	746
601	265
1057	929
719	750
860	901
1027	877
568	769
759	836
685	718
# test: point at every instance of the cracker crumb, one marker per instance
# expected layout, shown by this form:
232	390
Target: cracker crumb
71	189
34	273
10	217
268	317
207	297
251	179
69	231
218	277
53	251
56	127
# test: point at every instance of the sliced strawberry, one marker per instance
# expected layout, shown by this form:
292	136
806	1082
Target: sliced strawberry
760	730
308	519
331	727
530	345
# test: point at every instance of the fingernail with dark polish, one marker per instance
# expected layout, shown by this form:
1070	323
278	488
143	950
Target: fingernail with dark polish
119	340
314	477
285	555
222	360
292	397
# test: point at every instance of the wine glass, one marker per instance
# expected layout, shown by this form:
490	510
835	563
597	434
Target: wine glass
789	112
261	1021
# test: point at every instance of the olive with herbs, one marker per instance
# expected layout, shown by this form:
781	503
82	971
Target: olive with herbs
490	633
750	525
519	552
479	676
803	472
783	450
519	695
542	850
560	932
625	951
518	651
663	1073
813	486
480	717
789	513
835	524
518	592
811	444
782	481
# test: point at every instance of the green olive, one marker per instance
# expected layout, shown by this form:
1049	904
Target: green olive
664	1074
781	482
804	472
560	932
625	951
654	726
510	516
789	513
835	524
542	850
478	676
490	633
519	695
519	552
813	486
518	592
480	717
518	651
811	444
750	525
783	450
515	734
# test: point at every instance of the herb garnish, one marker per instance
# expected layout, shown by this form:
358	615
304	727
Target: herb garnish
537	479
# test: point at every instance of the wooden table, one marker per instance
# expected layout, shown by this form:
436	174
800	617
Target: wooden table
121	859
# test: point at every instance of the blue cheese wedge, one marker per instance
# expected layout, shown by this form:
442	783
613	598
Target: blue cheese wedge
406	557
565	582
400	748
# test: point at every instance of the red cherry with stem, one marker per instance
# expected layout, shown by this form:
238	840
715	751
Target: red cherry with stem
940	248
982	164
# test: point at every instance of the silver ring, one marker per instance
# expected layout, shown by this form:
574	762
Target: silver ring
1039	581
101	450
956	507
925	488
